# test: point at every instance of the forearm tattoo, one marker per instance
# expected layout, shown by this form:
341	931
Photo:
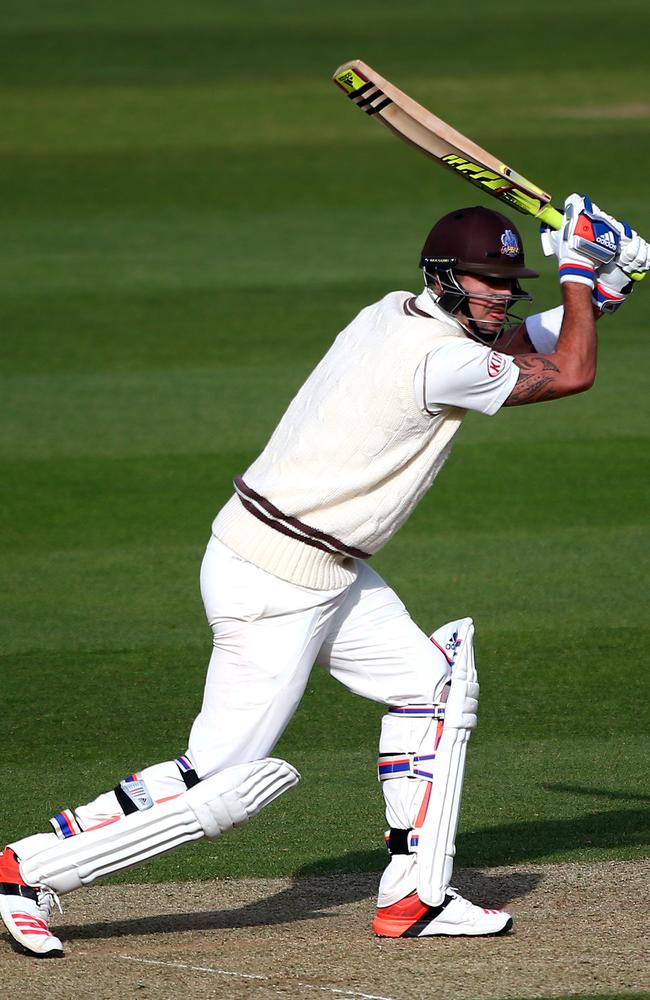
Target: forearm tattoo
537	380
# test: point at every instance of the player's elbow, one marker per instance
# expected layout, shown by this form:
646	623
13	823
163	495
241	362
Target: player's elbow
580	379
587	374
589	380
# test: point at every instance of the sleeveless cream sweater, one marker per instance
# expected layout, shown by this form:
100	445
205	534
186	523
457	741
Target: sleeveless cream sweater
350	458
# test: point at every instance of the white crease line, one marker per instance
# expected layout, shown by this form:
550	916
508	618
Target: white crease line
246	975
193	968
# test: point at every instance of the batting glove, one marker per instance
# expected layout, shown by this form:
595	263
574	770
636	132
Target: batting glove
612	283
587	239
634	252
634	255
613	286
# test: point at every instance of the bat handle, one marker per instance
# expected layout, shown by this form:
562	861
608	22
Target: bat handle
554	218
551	216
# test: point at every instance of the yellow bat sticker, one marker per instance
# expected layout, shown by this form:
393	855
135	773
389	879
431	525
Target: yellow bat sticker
349	80
499	185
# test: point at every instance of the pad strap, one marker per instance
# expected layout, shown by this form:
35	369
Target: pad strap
132	794
65	824
411	765
188	774
135	793
402	841
405	766
418	711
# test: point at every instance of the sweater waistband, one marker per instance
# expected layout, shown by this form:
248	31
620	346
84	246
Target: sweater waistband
269	514
282	553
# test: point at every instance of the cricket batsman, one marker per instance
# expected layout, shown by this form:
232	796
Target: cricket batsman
286	579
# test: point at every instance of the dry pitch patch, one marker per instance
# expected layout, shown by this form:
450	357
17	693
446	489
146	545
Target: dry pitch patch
578	929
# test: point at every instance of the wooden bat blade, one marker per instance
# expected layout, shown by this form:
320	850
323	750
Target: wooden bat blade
431	135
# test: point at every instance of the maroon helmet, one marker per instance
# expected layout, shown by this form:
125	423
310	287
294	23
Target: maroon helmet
476	241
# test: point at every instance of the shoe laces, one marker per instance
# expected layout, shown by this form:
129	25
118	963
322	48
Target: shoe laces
454	893
46	899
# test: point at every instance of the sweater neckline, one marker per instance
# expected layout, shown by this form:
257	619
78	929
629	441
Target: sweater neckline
424	303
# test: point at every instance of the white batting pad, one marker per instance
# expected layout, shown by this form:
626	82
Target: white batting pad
437	829
214	806
421	766
407	748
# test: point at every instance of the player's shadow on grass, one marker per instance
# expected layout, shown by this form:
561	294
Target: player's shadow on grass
535	839
600	793
318	889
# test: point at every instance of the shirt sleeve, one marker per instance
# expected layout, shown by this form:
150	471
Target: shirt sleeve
543	329
464	373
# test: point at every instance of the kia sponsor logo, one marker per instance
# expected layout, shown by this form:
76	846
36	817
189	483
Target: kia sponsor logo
496	363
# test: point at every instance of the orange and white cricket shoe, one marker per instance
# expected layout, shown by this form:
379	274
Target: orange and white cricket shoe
455	916
25	910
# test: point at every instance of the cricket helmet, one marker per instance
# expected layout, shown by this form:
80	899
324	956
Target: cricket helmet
481	242
476	241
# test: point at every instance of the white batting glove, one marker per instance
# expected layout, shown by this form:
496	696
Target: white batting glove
613	286
612	283
634	256
634	252
586	240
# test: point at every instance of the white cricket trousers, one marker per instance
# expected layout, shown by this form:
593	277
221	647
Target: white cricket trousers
268	634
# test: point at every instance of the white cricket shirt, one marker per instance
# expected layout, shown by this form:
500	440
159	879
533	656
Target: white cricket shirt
461	372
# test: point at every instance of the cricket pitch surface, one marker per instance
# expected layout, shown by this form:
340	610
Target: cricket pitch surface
579	928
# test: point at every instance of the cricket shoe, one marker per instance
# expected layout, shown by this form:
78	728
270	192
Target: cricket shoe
25	910
455	916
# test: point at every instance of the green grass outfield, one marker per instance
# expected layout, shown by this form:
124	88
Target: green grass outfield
190	212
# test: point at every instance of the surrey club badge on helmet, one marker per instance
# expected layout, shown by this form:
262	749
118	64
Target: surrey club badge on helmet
509	244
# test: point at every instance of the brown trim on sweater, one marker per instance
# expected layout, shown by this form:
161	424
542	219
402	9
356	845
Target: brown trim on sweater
252	509
291	526
411	309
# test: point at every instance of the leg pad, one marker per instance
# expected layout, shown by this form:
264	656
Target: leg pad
221	802
421	767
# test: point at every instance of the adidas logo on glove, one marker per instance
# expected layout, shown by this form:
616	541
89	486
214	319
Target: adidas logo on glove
607	240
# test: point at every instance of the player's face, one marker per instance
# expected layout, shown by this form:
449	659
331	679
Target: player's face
488	302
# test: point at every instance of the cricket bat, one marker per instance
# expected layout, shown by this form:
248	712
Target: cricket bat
431	135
